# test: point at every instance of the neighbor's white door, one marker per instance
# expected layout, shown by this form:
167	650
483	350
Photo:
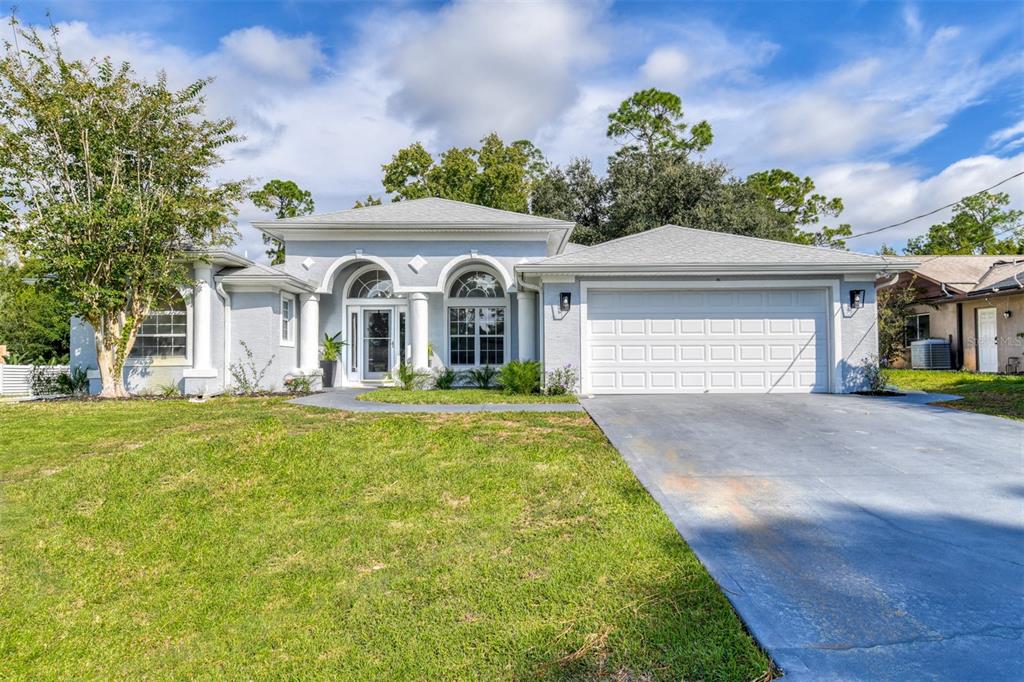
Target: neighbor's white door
756	341
988	350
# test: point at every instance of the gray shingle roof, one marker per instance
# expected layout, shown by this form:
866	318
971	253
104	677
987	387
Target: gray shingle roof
421	212
671	245
970	274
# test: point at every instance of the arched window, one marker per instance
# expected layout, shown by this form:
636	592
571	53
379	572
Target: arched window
476	284
476	333
372	284
164	332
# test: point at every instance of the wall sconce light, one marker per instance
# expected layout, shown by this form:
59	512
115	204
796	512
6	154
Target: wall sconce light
856	298
564	301
1007	314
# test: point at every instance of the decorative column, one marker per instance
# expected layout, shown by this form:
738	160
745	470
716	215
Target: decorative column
526	319
418	326
202	318
309	334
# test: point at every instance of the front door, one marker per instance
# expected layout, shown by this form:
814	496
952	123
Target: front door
376	343
988	351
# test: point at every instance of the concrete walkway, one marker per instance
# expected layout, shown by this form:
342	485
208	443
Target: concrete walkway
859	538
345	399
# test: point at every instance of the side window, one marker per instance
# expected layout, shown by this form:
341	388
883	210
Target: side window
287	319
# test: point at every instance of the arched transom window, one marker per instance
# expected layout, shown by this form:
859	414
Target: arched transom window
372	284
476	284
476	333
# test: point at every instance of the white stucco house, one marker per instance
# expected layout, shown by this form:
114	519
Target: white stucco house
444	283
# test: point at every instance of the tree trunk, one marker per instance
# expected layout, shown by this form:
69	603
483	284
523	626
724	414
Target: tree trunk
111	372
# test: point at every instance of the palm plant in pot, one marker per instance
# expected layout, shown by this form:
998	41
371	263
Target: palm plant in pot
330	349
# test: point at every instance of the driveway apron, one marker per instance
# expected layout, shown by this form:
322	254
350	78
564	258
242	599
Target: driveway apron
858	538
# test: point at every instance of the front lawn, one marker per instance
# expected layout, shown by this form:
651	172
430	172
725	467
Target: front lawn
997	394
459	396
253	539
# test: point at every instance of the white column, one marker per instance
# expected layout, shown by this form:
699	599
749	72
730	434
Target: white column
309	333
526	319
418	327
202	317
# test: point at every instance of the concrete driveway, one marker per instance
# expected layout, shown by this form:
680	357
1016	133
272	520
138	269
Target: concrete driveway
858	538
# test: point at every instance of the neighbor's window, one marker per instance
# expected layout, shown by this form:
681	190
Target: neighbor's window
287	319
918	327
164	332
476	334
372	284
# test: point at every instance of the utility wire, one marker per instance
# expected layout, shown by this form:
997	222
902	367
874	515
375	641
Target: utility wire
941	208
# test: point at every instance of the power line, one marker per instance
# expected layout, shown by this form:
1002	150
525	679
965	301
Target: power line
941	208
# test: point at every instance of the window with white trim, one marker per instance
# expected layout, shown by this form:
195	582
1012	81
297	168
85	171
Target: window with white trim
164	331
476	333
287	319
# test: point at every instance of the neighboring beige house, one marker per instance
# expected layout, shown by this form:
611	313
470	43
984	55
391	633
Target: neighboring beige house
974	302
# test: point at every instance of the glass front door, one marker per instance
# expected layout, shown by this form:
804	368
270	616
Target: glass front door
376	343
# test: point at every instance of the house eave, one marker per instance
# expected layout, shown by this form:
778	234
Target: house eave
266	283
709	269
312	230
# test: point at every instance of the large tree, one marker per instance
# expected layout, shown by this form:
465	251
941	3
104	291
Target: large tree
35	324
800	206
652	121
284	199
105	182
498	175
981	224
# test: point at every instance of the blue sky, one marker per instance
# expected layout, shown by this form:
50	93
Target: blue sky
896	107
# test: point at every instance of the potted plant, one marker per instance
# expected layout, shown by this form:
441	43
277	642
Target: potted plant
329	352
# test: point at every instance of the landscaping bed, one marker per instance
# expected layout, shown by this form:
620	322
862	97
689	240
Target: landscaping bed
459	396
248	538
1001	395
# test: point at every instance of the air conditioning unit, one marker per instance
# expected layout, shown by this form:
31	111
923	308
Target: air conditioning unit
930	354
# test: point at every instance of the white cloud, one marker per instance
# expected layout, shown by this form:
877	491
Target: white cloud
1009	138
699	51
478	67
876	194
276	57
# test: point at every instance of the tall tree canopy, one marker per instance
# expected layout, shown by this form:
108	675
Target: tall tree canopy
284	199
495	175
981	224
653	119
105	182
35	324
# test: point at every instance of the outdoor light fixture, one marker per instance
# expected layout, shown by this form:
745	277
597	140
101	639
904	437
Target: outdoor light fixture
1007	314
564	301
856	298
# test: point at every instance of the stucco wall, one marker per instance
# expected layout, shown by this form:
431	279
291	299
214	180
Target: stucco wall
397	255
858	328
255	320
1009	345
560	333
858	333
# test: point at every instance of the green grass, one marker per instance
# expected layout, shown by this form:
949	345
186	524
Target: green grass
252	539
997	394
459	396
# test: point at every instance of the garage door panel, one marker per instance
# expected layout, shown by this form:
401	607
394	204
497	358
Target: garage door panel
697	341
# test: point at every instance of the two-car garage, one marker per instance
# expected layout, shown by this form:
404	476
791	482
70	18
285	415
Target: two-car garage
641	340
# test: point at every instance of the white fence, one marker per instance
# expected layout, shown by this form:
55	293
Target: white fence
16	380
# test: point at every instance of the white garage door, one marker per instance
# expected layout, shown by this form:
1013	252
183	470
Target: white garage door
758	341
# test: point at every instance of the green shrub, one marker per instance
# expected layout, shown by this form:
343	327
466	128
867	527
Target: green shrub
74	383
408	378
520	377
445	378
482	377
